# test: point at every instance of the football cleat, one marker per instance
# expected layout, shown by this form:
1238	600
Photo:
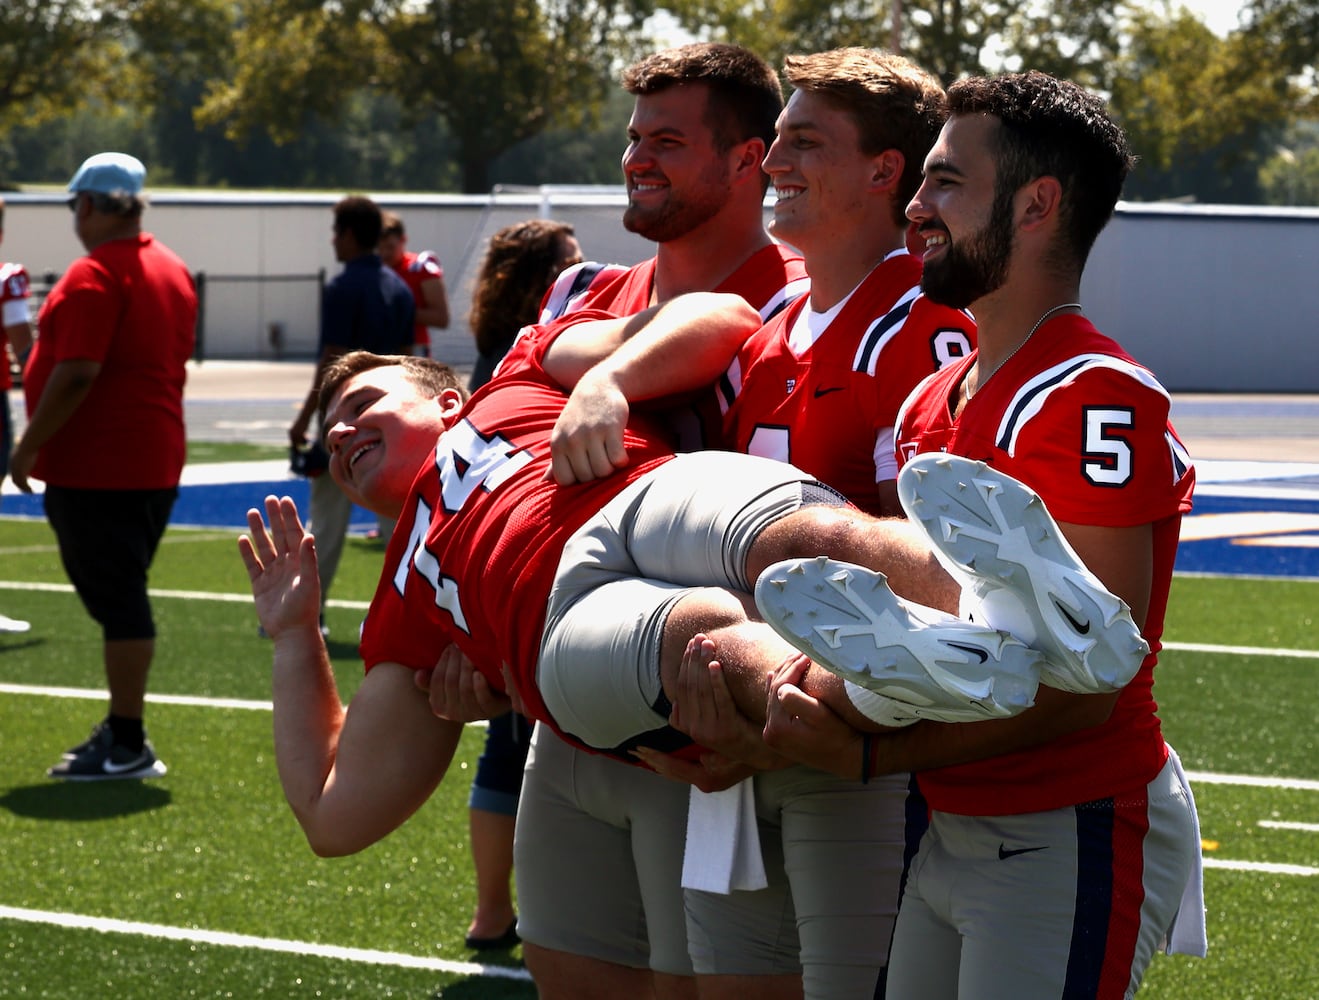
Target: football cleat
913	662
996	537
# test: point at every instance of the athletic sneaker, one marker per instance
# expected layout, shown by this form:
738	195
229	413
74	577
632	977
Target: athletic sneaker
91	741
100	758
923	663
13	626
994	534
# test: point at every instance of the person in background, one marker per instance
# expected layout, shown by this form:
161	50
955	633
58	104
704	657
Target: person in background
424	276
105	432
520	264
365	307
15	336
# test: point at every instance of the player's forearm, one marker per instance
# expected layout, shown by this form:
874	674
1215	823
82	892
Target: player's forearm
675	347
308	718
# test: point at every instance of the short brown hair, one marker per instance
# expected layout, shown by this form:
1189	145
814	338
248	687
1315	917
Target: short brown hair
894	103
745	94
427	374
391	225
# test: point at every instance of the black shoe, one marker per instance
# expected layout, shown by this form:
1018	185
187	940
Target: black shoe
506	940
95	739
100	758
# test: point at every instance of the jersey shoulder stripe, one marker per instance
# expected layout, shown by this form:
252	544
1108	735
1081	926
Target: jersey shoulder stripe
570	288
783	298
1030	399
882	330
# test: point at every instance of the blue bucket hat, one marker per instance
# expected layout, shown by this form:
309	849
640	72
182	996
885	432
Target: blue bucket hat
109	173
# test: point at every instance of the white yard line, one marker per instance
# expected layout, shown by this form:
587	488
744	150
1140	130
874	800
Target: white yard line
195	935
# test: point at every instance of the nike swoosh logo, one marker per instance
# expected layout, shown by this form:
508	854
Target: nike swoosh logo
1082	628
1004	853
111	768
825	391
975	651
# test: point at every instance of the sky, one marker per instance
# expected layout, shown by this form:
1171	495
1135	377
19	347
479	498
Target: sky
1219	15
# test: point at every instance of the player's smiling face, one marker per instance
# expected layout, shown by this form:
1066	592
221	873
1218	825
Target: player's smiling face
381	430
819	173
676	178
963	221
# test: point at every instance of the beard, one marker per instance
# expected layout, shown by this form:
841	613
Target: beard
973	267
681	212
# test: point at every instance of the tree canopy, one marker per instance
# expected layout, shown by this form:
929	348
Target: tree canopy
444	94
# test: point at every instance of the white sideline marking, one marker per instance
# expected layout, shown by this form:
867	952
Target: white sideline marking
1273	824
182	595
226	940
200	595
1292	784
1263	867
1205	647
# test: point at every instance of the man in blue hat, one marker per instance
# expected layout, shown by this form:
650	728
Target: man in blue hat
104	393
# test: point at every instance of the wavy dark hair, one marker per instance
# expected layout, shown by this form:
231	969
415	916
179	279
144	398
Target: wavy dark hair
520	263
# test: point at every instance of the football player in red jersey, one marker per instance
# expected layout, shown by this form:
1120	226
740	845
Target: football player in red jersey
819	385
702	120
1063	841
424	276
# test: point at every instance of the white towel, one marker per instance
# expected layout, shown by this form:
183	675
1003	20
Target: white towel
723	841
1187	935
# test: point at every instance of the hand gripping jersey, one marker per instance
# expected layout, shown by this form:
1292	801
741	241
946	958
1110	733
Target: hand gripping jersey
1076	419
14	291
828	404
768	280
416	269
474	553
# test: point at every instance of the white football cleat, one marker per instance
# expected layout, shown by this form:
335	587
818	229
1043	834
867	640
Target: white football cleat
995	536
921	663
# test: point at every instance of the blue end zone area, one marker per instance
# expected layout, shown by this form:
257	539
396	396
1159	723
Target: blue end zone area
219	505
1251	536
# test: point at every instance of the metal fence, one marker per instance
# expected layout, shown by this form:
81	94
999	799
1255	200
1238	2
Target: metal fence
258	295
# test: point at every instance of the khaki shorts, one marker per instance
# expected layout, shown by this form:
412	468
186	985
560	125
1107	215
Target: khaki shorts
834	851
598	858
689	524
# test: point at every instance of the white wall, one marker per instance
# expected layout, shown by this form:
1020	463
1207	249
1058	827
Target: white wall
1213	298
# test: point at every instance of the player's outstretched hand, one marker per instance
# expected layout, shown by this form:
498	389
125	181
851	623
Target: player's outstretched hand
281	564
587	440
460	692
805	729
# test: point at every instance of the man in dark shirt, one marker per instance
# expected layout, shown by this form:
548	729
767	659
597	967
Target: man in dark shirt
365	307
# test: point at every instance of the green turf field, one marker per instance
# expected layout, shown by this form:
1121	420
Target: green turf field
199	884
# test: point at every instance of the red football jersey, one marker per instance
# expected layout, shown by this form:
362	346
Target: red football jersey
14	291
416	269
1086	427
822	391
478	543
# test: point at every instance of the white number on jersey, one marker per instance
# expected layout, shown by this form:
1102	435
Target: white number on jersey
949	345
467	462
416	554
1107	454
